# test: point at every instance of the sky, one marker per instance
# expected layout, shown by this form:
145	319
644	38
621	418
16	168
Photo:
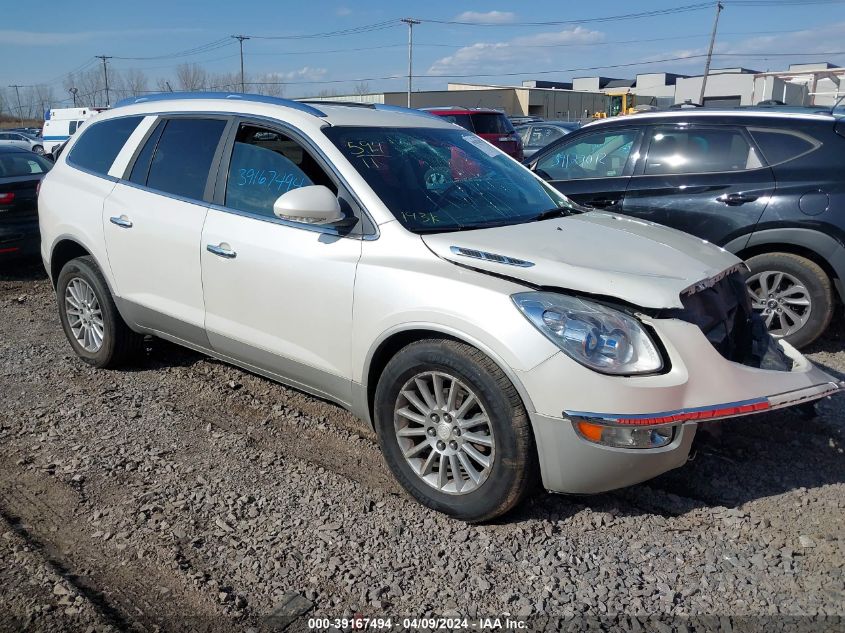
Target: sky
459	40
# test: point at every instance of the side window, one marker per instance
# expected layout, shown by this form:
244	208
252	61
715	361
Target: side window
699	150
596	155
779	146
100	144
71	127
183	156
266	164
141	168
524	133
5	137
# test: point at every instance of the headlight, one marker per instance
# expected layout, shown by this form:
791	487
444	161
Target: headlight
599	337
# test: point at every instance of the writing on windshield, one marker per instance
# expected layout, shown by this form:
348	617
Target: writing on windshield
443	179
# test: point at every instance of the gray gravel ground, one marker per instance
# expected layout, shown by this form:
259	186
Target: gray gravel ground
184	494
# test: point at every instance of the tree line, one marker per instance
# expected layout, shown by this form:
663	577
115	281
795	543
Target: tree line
88	89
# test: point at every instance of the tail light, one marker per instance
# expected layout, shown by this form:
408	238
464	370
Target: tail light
7	198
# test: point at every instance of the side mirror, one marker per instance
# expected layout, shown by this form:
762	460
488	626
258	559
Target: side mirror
49	156
314	204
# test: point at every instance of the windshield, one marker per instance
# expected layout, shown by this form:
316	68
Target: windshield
436	180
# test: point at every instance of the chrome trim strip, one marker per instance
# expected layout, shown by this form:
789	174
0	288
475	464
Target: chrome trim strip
774	402
490	257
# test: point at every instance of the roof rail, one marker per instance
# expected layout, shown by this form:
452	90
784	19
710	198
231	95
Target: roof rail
329	102
384	107
229	96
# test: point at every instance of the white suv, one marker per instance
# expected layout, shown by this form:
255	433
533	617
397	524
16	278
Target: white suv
402	267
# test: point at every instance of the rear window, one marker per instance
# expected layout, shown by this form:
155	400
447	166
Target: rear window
459	119
779	146
22	164
97	148
491	123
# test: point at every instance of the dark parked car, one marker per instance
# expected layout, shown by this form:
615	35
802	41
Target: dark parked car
766	185
20	173
535	136
491	125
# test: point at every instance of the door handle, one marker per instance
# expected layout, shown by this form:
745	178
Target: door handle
736	199
122	221
221	250
602	203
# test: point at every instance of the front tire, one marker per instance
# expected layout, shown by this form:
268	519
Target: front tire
92	324
793	294
454	431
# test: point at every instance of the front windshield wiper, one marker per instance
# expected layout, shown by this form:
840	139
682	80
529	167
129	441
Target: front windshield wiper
557	212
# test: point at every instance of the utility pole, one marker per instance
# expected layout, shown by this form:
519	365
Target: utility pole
719	7
20	107
410	22
241	39
106	76
73	92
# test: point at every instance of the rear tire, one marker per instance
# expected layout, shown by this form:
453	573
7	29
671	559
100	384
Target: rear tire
458	440
92	324
798	287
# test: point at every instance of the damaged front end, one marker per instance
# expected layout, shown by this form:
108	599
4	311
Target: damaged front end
721	308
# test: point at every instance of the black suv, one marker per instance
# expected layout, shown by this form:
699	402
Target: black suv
768	186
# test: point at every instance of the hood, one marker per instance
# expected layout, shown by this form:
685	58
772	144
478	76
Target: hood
598	253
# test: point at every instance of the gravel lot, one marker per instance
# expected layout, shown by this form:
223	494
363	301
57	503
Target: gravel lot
185	494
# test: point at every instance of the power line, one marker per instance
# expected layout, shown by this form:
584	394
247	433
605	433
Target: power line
610	18
534	72
367	28
196	50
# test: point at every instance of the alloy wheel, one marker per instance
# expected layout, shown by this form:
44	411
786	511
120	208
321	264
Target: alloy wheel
782	299
84	315
444	432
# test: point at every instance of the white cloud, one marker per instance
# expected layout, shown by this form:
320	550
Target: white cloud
47	38
514	54
490	17
306	73
812	41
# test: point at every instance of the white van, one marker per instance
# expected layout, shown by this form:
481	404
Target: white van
61	123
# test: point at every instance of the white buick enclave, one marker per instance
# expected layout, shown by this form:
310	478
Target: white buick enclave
384	259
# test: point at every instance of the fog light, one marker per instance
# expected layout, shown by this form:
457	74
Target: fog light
626	437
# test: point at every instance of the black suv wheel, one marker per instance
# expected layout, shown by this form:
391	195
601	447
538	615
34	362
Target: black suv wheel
793	294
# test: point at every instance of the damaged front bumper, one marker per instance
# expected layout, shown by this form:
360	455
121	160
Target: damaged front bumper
582	419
